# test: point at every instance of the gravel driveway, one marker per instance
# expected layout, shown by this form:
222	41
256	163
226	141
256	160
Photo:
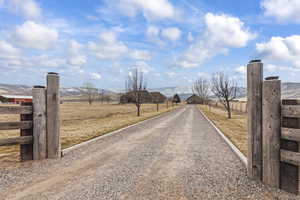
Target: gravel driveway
176	156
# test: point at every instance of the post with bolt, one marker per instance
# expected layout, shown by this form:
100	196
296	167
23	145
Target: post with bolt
254	100
271	110
53	101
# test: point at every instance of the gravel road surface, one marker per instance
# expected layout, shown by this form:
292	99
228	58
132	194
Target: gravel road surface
176	156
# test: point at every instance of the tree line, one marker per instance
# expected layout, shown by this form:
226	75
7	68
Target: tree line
91	94
221	86
136	85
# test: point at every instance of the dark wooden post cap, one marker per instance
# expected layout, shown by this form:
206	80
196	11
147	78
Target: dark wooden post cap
39	86
254	61
52	73
272	78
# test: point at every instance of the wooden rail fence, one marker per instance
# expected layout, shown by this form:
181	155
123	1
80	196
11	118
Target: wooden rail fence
235	106
273	132
39	124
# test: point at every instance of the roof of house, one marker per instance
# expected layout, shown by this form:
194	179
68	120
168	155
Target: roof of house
193	97
158	96
15	96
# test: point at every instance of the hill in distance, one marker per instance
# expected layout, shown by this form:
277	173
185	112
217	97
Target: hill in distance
290	90
64	91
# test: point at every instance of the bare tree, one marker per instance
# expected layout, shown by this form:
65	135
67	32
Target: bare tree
91	92
158	98
107	98
136	86
101	96
201	88
225	89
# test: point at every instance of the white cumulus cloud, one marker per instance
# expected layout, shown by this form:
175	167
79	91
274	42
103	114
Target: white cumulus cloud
153	31
95	76
154	9
140	54
34	35
226	31
284	49
221	33
7	51
109	46
171	33
282	10
142	67
28	8
190	37
241	69
77	58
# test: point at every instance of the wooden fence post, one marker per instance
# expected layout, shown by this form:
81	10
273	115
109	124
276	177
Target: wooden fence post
289	174
53	137
26	150
254	95
39	123
271	109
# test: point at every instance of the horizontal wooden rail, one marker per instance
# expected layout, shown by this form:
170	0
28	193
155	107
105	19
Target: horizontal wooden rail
290	134
15	109
15	125
16	140
290	111
290	157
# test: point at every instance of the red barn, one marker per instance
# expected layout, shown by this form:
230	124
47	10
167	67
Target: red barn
17	99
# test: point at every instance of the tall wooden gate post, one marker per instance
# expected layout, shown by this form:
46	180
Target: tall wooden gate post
271	109
254	96
39	123
53	100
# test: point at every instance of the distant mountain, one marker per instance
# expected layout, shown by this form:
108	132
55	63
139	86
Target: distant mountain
289	90
170	91
15	89
64	91
77	91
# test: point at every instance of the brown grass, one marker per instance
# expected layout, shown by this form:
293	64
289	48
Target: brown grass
235	129
81	122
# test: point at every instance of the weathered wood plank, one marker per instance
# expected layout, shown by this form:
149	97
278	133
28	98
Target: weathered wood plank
291	111
15	109
271	107
26	150
289	173
254	96
15	125
16	140
39	122
290	157
290	134
53	137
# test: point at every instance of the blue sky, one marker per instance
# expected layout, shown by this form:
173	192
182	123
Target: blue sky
173	42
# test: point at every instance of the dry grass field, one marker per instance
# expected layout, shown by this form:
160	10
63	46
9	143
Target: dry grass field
235	129
81	122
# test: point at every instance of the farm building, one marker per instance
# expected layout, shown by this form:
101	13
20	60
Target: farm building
176	99
129	97
194	99
147	97
17	99
158	97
